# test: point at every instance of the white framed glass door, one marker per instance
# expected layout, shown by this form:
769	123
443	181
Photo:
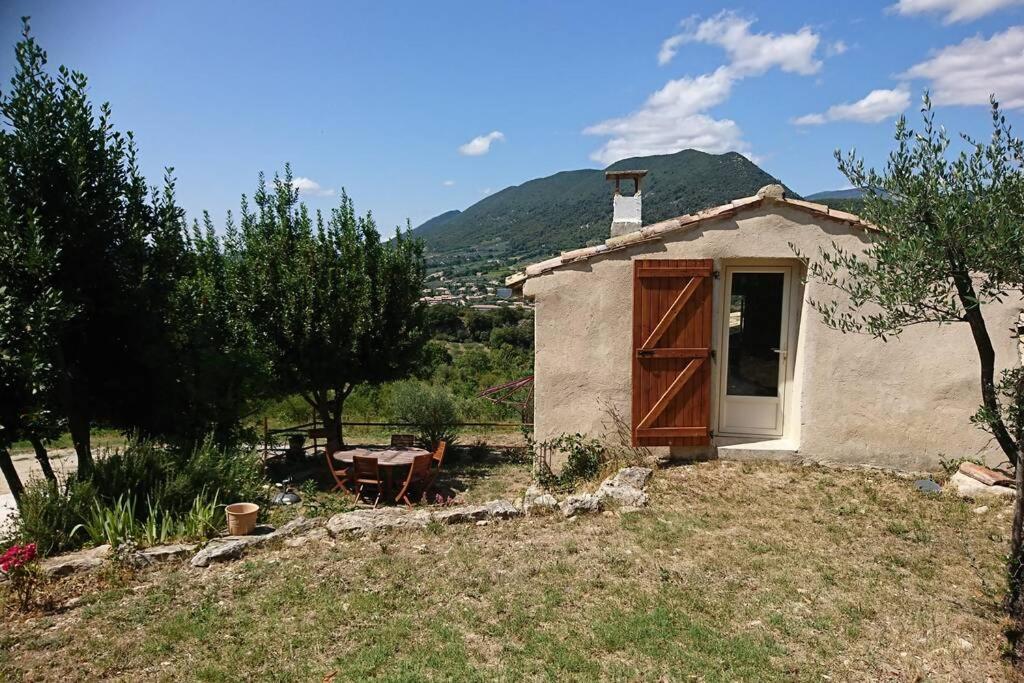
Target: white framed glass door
755	330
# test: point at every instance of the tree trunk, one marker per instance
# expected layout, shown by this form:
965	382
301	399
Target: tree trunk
11	474
987	356
330	412
43	458
1015	563
78	425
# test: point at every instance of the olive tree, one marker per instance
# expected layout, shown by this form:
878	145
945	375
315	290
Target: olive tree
331	305
951	243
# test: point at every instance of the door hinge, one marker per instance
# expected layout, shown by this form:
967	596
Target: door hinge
714	356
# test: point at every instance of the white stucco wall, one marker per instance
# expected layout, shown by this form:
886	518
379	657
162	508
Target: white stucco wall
901	404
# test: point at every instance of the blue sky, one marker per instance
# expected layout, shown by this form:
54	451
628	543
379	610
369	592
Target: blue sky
387	99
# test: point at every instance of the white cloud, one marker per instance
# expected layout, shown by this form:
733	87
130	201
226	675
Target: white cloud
669	48
481	144
311	188
837	48
750	53
671	119
448	183
876	106
486	191
968	72
810	120
675	117
955	10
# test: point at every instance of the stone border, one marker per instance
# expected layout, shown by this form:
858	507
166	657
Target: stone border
625	490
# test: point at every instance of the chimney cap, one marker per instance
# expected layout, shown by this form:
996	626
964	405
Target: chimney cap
619	175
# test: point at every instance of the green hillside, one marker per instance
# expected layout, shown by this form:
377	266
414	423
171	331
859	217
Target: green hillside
573	208
436	223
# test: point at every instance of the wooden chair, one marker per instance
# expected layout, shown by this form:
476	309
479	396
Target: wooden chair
436	460
316	435
366	472
403	440
342	477
419	473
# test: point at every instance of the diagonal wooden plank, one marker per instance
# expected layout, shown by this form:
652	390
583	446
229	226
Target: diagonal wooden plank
672	312
673	389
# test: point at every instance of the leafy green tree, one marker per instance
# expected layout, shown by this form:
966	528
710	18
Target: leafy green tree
196	353
952	242
67	170
31	314
331	305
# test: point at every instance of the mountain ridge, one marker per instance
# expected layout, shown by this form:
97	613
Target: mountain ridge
573	208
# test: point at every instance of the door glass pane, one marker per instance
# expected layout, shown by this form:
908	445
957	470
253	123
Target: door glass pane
755	330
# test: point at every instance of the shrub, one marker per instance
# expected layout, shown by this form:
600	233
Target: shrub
182	490
48	513
172	479
431	409
585	458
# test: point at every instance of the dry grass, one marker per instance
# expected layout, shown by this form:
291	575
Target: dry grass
735	572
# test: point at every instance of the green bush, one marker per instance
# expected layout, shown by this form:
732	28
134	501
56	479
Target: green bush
432	410
182	490
584	461
172	479
48	513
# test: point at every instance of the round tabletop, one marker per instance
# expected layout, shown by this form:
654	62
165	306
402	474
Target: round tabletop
386	456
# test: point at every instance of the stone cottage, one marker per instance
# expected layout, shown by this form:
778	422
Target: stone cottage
698	333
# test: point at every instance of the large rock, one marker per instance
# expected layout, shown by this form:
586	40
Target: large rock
227	548
637	477
968	487
626	487
164	553
581	503
359	522
495	509
70	563
233	547
537	501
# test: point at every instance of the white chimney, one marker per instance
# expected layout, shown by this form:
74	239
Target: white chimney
625	208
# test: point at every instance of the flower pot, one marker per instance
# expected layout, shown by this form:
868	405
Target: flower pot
241	518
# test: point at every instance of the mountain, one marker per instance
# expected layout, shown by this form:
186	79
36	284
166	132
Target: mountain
851	199
436	222
850	193
574	208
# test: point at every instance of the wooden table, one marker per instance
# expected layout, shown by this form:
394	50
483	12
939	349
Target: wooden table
389	458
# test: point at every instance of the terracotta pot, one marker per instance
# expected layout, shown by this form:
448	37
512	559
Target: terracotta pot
241	518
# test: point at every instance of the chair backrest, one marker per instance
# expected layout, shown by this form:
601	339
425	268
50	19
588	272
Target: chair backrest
365	467
403	440
420	466
438	455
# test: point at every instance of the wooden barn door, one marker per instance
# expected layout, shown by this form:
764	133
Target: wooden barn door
671	352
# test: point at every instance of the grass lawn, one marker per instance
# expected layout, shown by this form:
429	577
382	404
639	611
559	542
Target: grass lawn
753	572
